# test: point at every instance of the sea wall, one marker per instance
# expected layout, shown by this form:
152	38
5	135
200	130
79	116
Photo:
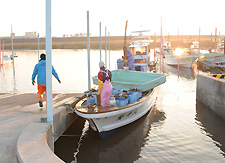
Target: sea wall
211	92
36	142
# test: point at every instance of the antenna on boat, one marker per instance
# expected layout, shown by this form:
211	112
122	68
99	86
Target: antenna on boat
140	33
125	47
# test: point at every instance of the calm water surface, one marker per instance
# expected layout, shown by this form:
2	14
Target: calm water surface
71	66
178	128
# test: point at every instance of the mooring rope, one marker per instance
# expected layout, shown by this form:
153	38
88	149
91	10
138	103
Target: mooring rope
66	135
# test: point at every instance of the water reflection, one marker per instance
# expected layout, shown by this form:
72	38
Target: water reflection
159	115
212	124
123	146
14	84
188	73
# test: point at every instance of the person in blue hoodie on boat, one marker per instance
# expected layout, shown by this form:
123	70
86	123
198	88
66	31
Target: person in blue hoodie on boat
40	71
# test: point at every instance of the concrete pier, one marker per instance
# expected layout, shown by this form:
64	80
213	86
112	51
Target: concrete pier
211	92
23	135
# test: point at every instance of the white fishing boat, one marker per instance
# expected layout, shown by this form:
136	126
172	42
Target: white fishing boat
134	94
194	49
173	59
214	62
140	48
182	60
216	58
167	48
5	60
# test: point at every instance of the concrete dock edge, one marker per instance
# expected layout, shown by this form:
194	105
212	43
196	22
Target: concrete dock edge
211	92
36	141
36	136
61	120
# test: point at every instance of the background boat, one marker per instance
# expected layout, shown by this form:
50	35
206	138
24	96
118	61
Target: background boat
5	60
184	60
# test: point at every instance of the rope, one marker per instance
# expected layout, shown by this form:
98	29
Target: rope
66	135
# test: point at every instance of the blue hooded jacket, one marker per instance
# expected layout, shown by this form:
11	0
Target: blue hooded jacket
40	71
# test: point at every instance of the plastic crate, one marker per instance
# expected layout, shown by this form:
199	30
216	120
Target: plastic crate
117	91
91	101
120	63
121	101
134	96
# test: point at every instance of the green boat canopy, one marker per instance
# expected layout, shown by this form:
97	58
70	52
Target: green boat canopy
126	80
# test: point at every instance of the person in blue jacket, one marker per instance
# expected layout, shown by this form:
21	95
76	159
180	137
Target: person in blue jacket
40	71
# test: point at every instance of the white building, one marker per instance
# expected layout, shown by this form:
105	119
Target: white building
30	34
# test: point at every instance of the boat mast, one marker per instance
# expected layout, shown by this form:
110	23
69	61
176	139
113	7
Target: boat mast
0	51
12	51
199	47
125	47
100	41
88	51
105	48
38	45
215	45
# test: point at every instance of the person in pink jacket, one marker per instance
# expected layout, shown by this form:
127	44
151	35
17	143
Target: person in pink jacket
106	90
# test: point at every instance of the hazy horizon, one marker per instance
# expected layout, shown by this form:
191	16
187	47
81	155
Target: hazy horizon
69	17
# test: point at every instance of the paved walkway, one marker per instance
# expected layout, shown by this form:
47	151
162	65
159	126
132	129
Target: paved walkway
17	110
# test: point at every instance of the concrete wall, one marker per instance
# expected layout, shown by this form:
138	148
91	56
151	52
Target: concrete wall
211	92
39	136
36	136
61	120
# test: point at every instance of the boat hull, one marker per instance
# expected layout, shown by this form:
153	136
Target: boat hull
184	61
106	123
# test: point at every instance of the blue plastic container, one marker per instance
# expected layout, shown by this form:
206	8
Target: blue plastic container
117	91
94	94
134	96
91	101
121	101
120	63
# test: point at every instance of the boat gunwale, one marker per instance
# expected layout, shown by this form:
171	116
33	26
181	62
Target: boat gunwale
115	108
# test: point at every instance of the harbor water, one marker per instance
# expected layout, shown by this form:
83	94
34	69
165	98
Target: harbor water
177	129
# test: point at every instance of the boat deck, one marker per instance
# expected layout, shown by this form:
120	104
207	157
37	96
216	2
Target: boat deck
82	107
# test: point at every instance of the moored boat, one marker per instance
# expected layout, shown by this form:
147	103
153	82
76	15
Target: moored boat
5	60
130	103
184	60
214	62
140	49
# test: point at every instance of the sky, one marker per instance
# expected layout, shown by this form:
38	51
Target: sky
70	16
